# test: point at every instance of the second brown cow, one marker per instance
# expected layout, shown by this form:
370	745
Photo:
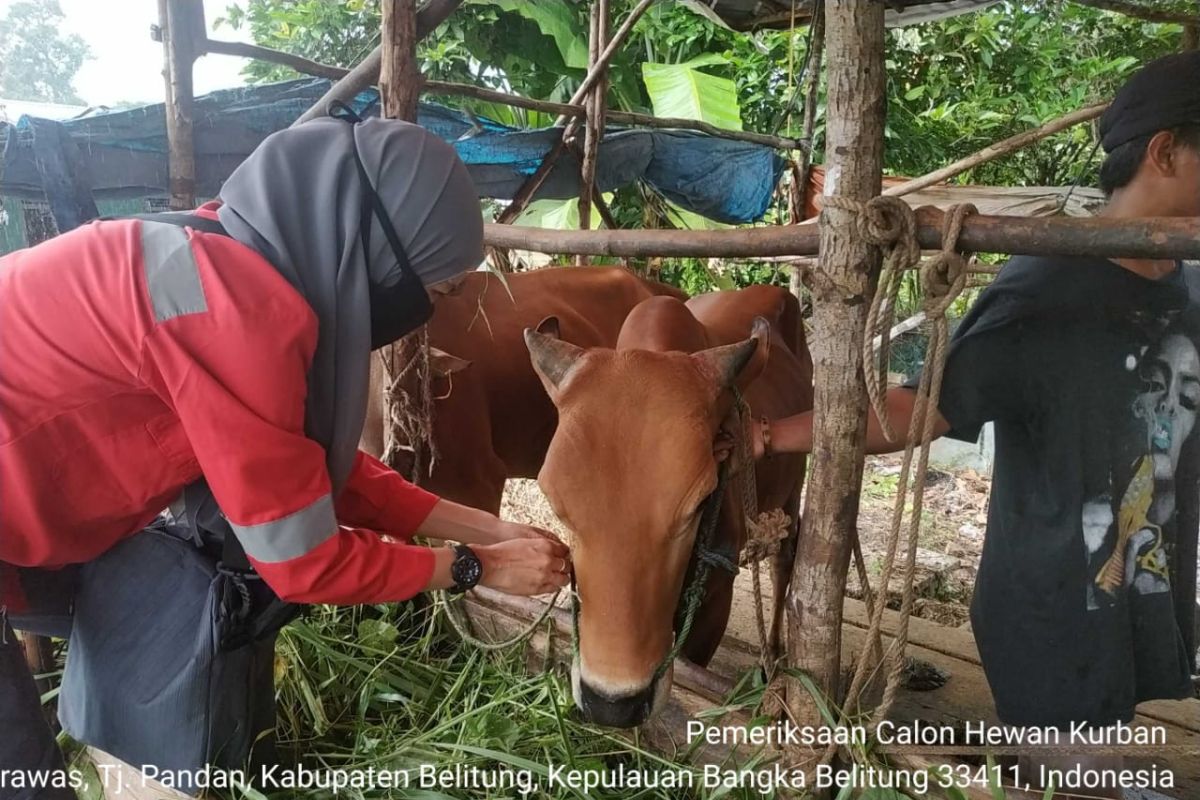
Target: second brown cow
491	419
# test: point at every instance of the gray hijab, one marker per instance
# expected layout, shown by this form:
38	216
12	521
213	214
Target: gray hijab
297	200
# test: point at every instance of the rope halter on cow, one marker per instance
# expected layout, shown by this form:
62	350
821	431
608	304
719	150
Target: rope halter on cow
890	224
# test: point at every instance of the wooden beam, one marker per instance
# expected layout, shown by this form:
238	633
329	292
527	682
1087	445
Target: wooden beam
1151	237
432	14
1140	12
259	53
181	28
841	292
998	149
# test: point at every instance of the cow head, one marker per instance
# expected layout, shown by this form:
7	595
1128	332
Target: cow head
628	471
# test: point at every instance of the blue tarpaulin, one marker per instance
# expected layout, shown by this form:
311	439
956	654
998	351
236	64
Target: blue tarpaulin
123	154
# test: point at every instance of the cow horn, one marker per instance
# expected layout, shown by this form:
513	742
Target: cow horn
726	362
552	357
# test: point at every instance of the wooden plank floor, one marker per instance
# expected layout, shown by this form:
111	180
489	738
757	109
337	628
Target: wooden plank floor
966	696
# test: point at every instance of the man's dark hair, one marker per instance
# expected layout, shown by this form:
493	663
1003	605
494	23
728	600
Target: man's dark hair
1122	163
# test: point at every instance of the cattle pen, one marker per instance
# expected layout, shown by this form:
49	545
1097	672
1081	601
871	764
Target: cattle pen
828	634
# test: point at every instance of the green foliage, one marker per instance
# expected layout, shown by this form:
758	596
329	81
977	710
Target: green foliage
683	90
378	687
562	215
38	61
957	85
695	276
339	33
560	21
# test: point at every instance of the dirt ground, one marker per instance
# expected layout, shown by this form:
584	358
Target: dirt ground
954	514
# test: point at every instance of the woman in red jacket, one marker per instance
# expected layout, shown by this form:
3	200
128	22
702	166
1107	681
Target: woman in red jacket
139	356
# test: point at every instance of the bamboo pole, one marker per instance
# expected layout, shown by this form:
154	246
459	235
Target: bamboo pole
432	14
1151	237
399	90
594	122
181	26
814	62
841	292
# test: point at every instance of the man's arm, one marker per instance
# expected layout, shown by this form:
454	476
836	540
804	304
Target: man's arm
794	434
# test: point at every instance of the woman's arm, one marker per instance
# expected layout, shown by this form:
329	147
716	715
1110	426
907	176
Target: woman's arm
376	496
450	521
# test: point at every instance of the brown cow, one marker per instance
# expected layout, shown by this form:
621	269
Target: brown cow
632	462
492	420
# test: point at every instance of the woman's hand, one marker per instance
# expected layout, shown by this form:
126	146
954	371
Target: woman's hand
526	565
451	521
507	531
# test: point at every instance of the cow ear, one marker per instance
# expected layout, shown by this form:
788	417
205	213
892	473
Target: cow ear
550	326
552	358
724	364
444	365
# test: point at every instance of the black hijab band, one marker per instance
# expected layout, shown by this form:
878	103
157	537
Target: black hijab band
404	306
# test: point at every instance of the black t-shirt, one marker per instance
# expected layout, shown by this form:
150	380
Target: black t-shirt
1091	374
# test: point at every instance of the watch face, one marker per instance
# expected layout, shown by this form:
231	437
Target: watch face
466	569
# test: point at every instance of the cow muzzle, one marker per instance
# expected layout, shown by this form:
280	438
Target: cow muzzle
619	709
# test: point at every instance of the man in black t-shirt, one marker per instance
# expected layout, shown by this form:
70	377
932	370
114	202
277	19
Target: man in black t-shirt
1090	370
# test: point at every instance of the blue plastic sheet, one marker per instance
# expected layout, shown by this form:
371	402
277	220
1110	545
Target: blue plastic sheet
123	154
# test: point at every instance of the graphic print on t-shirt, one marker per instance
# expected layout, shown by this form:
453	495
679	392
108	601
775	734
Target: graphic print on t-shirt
1127	545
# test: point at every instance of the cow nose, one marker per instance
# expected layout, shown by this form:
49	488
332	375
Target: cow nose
619	711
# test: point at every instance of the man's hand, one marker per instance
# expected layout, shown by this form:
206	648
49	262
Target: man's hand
525	566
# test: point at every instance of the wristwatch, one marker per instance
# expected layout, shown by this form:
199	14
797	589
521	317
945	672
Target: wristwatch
466	569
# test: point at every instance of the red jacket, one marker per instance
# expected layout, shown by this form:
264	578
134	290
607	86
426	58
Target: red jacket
124	378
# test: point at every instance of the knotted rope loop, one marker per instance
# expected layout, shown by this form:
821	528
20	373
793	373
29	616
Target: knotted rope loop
944	276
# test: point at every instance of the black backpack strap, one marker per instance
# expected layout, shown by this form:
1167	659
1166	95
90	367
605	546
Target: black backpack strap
184	219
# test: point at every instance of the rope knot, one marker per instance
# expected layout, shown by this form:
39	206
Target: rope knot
765	532
885	222
944	276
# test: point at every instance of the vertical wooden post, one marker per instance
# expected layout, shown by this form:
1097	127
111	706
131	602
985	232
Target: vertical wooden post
39	655
399	77
841	286
813	64
594	126
182	30
399	90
